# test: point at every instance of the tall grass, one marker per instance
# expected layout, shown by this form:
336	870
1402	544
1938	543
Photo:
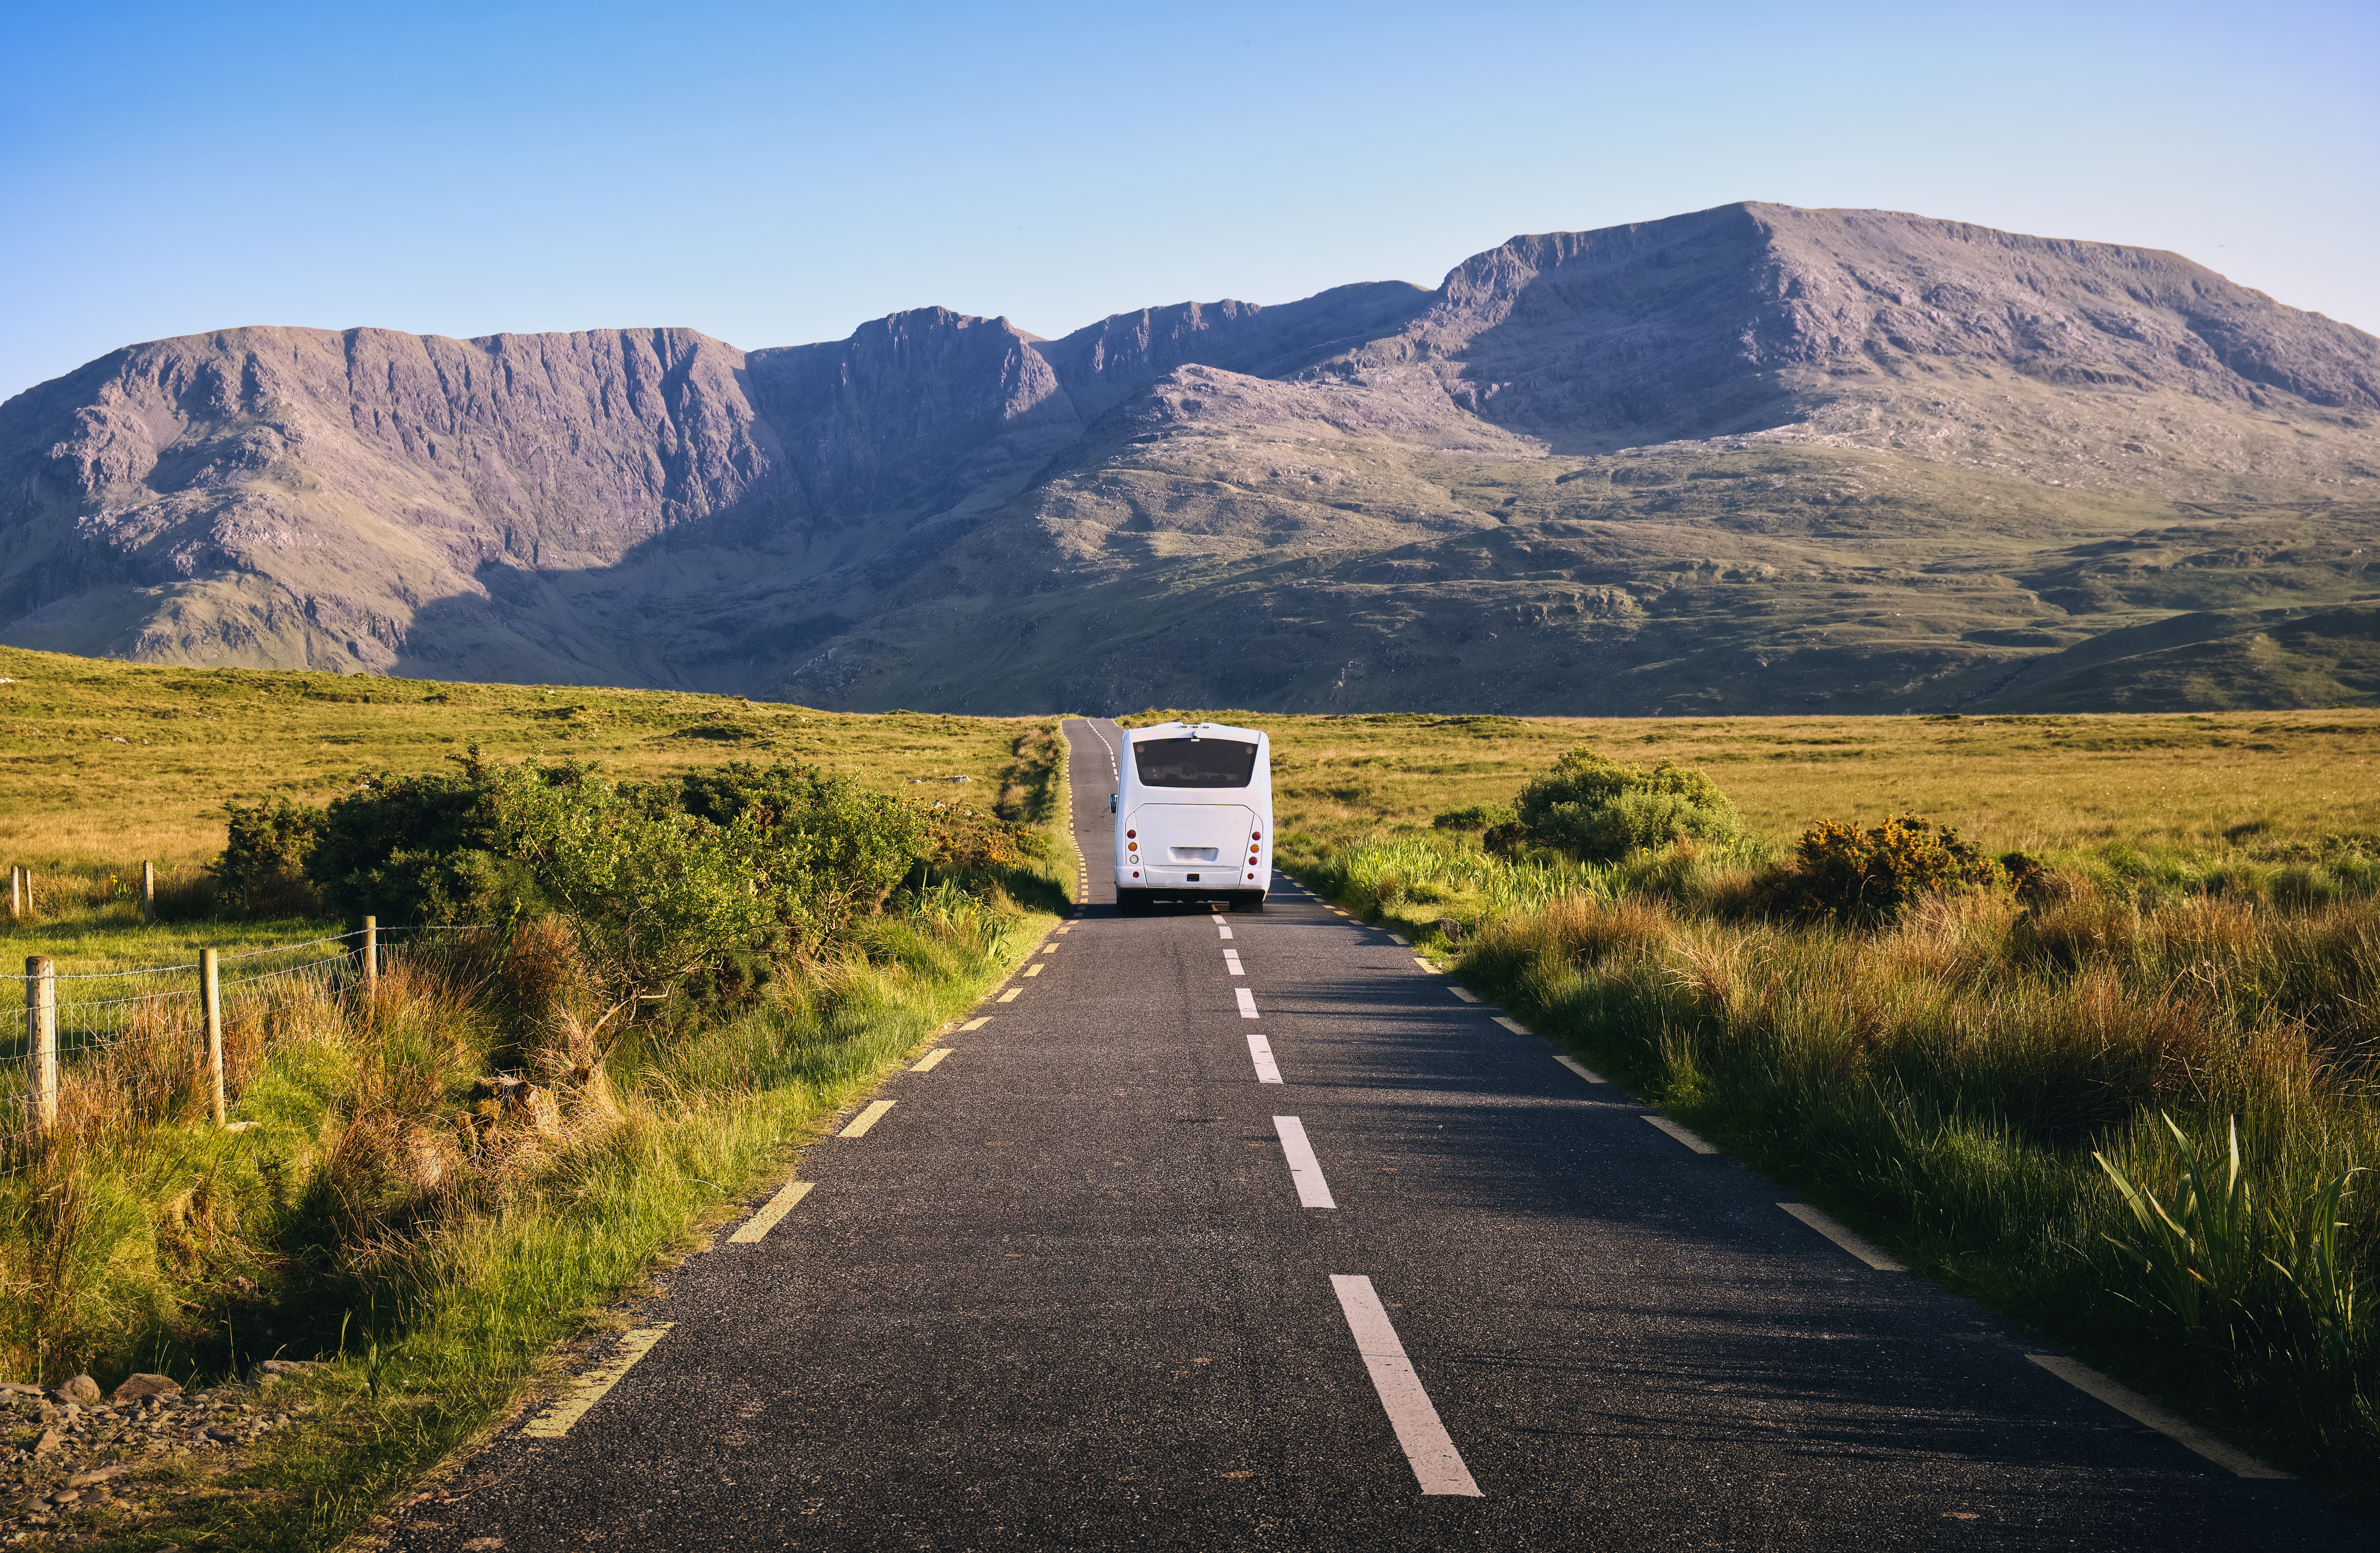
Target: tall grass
2032	1101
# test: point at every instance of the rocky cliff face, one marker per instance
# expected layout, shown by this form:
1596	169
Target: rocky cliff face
942	506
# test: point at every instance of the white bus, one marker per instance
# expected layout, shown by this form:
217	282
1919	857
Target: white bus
1194	817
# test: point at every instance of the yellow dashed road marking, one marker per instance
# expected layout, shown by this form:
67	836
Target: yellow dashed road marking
590	1389
866	1119
776	1209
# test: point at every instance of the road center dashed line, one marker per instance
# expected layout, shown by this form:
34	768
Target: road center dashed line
1231	962
1260	1052
1223	928
1429	1449
866	1119
1305	1170
776	1209
1247	1002
590	1388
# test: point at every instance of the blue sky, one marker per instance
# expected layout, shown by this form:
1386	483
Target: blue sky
773	174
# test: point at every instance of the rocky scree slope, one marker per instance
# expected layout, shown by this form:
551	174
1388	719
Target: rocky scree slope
1755	458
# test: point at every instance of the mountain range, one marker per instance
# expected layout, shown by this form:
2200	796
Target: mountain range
1751	459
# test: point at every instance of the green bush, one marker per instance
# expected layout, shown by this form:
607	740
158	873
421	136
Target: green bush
1598	810
263	866
1479	816
1842	873
659	882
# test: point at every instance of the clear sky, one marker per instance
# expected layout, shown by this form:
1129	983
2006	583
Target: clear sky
777	173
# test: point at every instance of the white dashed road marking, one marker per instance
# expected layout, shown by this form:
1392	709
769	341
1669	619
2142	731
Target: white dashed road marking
1845	1236
866	1119
1514	1025
1690	1139
1260	1051
977	1024
1573	1066
776	1209
1231	962
1465	993
1247	1002
1305	1170
1427	1447
1222	929
2141	1410
931	1060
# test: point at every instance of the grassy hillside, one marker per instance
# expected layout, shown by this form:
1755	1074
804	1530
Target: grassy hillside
104	763
2260	786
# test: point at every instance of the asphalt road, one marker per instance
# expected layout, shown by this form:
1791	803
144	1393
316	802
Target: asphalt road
1066	1292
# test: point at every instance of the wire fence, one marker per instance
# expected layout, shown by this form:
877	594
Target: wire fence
137	1042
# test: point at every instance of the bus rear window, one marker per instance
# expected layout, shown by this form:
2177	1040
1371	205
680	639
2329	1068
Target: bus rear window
1193	762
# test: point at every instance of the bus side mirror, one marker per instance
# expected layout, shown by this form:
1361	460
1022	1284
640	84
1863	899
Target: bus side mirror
1112	800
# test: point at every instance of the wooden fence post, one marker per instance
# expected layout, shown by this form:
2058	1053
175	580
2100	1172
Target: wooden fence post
371	956
211	998
42	1036
15	892
148	892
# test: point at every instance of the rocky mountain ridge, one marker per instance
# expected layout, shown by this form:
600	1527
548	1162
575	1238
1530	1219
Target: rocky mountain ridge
1524	490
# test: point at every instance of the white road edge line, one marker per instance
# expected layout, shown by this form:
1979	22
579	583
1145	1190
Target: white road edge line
977	1024
590	1388
1842	1234
1247	1002
1429	1451
866	1119
1465	993
1690	1139
1400	940
1514	1025
2131	1404
930	1060
1303	1167
771	1213
1260	1052
1574	1065
1009	995
1427	965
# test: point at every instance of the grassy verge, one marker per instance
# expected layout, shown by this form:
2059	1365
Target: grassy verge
434	1229
1944	1083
